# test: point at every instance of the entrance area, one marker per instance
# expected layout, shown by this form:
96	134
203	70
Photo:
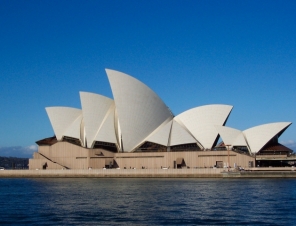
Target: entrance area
180	163
219	164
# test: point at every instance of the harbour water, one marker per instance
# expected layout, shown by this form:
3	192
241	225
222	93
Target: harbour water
136	201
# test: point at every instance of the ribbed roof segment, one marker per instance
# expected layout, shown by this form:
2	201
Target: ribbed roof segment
137	115
106	132
161	136
179	135
94	109
231	136
74	129
140	111
258	136
201	122
64	120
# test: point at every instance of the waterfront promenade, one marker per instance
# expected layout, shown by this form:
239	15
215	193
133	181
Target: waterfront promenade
279	172
165	173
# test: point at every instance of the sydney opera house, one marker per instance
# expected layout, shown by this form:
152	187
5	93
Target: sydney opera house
137	129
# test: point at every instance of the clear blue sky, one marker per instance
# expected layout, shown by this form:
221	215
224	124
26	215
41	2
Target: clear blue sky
191	53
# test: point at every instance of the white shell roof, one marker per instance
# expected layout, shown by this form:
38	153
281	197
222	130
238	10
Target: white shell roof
117	130
107	131
82	133
201	121
179	135
94	110
140	111
240	140
162	135
258	136
231	136
137	115
74	129
64	120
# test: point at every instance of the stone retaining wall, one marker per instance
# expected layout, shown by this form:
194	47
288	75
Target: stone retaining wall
182	173
147	173
260	174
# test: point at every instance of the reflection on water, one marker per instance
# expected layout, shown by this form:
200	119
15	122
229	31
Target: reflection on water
148	201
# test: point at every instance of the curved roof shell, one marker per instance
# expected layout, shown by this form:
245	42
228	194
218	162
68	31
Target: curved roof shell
179	135
74	129
140	111
117	130
82	133
161	136
137	115
94	109
201	121
260	135
65	121
106	132
231	136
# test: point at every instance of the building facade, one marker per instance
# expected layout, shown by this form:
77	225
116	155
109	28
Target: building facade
137	130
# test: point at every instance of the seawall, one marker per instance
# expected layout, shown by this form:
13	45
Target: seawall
260	174
116	173
151	173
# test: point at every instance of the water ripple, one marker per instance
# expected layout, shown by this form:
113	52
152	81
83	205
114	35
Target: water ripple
92	201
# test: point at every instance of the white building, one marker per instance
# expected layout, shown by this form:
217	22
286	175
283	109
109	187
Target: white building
137	120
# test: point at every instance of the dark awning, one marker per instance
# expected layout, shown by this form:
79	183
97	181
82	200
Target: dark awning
47	141
276	148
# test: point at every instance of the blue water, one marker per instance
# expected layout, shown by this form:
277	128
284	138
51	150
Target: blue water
147	201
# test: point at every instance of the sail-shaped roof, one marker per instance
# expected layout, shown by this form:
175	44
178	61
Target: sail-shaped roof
161	136
179	135
260	135
201	122
106	133
94	110
63	120
140	111
231	136
137	115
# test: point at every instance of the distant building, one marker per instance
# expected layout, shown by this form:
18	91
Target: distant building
137	130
